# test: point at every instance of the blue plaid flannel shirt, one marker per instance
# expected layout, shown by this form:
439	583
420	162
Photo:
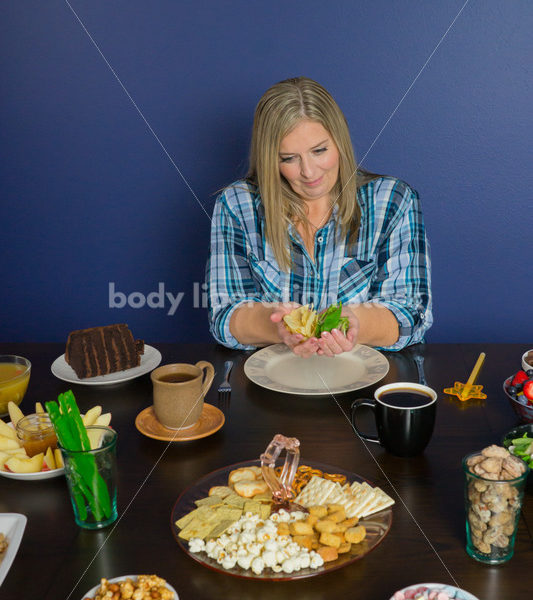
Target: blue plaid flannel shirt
389	265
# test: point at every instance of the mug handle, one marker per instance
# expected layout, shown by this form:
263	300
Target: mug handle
371	404
208	376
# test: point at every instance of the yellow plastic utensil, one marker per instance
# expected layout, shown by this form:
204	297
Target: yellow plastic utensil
466	391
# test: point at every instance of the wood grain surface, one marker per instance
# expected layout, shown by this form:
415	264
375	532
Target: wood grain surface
426	543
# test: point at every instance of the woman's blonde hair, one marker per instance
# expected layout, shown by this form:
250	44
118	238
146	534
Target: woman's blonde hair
280	109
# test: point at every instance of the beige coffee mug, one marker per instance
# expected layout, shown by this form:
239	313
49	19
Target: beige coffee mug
179	391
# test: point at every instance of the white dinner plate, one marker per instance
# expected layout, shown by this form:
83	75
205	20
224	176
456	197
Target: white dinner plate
278	368
454	593
92	592
12	525
149	361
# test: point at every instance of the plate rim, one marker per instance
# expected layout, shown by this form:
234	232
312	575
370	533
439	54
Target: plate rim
20	522
436	587
276	387
222	418
37	476
276	577
92	591
60	361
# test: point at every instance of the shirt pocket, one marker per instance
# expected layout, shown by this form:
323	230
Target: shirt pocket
354	279
267	278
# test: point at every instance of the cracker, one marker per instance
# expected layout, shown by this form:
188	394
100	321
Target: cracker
198	513
227	512
264	511
325	526
305	541
248	488
355	535
381	501
264	497
253	507
315	492
196	529
328	553
209	501
235	500
300	528
220	528
241	474
330	539
220	490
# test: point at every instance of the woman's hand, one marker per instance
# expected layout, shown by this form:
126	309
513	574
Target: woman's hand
334	341
295	341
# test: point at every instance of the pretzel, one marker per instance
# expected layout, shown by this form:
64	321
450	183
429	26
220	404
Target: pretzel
335	477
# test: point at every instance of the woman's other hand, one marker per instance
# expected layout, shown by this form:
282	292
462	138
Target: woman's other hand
334	341
295	341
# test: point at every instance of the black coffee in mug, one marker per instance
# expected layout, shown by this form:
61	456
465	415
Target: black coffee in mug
405	417
407	398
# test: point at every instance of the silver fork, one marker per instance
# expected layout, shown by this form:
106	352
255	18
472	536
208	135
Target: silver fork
419	362
224	389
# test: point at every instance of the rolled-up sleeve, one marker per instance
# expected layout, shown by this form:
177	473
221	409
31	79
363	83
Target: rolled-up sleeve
402	281
228	275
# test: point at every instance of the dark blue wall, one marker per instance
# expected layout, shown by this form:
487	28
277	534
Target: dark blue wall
91	193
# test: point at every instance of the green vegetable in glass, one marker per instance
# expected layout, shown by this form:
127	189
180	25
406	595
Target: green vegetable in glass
72	435
522	447
331	319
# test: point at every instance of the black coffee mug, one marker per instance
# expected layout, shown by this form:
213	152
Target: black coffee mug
405	417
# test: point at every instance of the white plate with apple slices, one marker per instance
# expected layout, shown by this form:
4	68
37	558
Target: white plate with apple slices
93	416
35	476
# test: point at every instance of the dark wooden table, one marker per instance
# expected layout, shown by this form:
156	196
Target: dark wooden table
59	561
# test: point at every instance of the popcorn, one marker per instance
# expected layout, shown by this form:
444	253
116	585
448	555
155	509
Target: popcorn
258	565
245	561
196	545
288	565
269	558
305	560
229	562
253	543
316	560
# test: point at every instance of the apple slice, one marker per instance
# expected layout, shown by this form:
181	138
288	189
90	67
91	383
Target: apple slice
5	455
16	451
95	438
91	415
103	420
26	465
58	457
15	414
39	408
49	459
7	443
7	431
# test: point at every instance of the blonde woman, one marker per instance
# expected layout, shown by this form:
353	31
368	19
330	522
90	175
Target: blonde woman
307	227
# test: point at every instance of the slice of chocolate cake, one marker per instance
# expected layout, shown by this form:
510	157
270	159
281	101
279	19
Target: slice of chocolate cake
102	350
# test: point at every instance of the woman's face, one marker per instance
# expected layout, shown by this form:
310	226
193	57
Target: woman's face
309	160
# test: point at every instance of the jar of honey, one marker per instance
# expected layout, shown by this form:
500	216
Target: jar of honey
36	433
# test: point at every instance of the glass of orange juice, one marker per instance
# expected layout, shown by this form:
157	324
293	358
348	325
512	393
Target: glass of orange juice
14	378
